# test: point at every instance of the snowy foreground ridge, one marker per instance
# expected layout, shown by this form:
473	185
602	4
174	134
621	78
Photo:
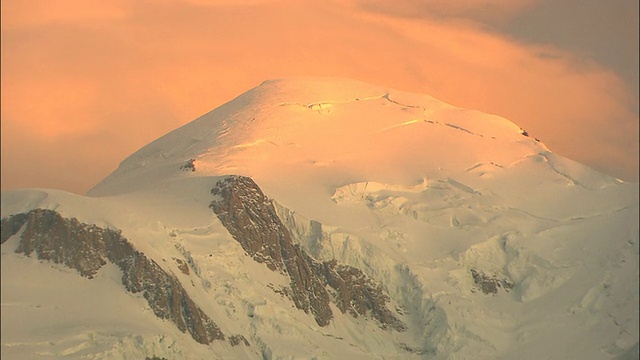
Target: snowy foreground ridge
327	219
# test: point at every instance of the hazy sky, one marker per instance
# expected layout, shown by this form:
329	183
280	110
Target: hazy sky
85	83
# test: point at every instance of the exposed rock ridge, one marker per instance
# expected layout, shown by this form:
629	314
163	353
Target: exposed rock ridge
250	217
11	225
489	284
86	248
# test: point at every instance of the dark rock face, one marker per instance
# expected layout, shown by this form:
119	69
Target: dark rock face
357	294
251	219
189	165
182	265
11	225
86	248
490	284
236	340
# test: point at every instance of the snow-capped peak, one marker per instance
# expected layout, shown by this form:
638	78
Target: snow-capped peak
320	127
396	226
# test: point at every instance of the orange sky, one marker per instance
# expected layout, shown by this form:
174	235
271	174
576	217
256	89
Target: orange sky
86	83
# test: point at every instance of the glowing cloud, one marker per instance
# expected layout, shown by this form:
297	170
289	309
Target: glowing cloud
123	73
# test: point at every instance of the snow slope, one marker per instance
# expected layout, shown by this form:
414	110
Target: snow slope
418	194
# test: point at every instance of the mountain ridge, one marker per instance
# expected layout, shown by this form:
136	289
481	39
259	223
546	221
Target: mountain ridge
372	205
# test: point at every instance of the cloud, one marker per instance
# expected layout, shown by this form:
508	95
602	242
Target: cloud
29	13
148	67
480	10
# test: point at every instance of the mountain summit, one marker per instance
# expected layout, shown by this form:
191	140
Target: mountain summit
300	126
328	218
325	127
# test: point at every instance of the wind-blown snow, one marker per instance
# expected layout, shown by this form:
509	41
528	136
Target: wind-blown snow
413	191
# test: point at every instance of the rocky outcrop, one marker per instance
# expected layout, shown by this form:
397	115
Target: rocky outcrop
251	219
182	265
236	340
489	284
356	293
86	248
11	225
189	165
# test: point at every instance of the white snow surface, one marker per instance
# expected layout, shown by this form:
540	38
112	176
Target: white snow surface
413	191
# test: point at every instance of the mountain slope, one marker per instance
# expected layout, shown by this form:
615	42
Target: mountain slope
398	227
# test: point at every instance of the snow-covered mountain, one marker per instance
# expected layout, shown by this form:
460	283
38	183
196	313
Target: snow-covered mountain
327	219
